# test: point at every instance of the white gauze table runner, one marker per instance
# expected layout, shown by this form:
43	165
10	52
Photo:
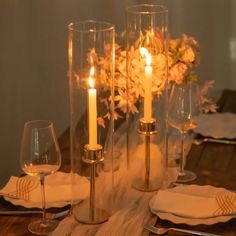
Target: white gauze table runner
127	219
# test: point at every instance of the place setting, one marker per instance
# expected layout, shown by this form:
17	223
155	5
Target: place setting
25	191
216	127
40	157
186	203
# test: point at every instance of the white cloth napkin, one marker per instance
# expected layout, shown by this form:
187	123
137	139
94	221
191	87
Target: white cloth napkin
194	206
217	125
57	187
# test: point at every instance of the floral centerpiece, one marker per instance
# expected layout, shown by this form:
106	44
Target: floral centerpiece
182	62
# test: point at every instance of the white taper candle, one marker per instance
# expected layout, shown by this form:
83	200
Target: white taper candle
147	85
92	107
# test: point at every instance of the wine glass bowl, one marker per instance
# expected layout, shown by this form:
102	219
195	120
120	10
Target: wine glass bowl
40	156
184	114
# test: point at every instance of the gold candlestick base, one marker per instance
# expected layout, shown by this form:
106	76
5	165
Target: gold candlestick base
141	185
146	128
91	215
83	215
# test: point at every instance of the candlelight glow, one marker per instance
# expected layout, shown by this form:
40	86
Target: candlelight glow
144	53
91	74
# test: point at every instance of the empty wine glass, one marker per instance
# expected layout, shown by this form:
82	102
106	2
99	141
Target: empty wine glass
40	156
184	111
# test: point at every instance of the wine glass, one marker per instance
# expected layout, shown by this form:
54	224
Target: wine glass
40	156
184	111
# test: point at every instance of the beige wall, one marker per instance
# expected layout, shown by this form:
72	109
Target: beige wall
33	56
33	64
232	42
209	22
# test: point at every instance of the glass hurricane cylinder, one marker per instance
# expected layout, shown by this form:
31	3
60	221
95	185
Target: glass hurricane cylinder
91	65
146	53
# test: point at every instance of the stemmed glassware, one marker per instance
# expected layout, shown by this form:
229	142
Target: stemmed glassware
40	156
184	111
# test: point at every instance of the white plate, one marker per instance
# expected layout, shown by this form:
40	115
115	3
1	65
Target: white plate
206	191
58	189
217	125
28	204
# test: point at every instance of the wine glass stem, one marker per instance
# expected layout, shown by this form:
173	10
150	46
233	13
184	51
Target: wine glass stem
43	196
181	172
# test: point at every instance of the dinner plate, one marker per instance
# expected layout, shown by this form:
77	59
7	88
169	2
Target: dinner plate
205	191
58	190
28	204
217	125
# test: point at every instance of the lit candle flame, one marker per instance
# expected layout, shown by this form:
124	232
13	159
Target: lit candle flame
91	74
144	53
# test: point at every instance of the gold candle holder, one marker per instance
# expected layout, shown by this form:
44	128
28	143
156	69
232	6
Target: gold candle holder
91	215
146	128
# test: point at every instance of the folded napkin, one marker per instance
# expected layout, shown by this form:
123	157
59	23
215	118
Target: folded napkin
194	206
217	125
58	187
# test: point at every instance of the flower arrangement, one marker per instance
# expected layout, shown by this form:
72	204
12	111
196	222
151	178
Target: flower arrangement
182	60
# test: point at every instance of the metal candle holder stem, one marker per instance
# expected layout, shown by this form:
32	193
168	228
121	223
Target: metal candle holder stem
146	128
92	215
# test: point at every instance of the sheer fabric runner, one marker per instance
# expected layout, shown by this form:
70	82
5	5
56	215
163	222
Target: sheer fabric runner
131	207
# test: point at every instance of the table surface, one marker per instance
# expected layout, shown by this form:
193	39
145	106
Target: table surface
214	164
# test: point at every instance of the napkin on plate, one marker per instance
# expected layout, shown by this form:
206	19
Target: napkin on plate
217	125
57	187
194	206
